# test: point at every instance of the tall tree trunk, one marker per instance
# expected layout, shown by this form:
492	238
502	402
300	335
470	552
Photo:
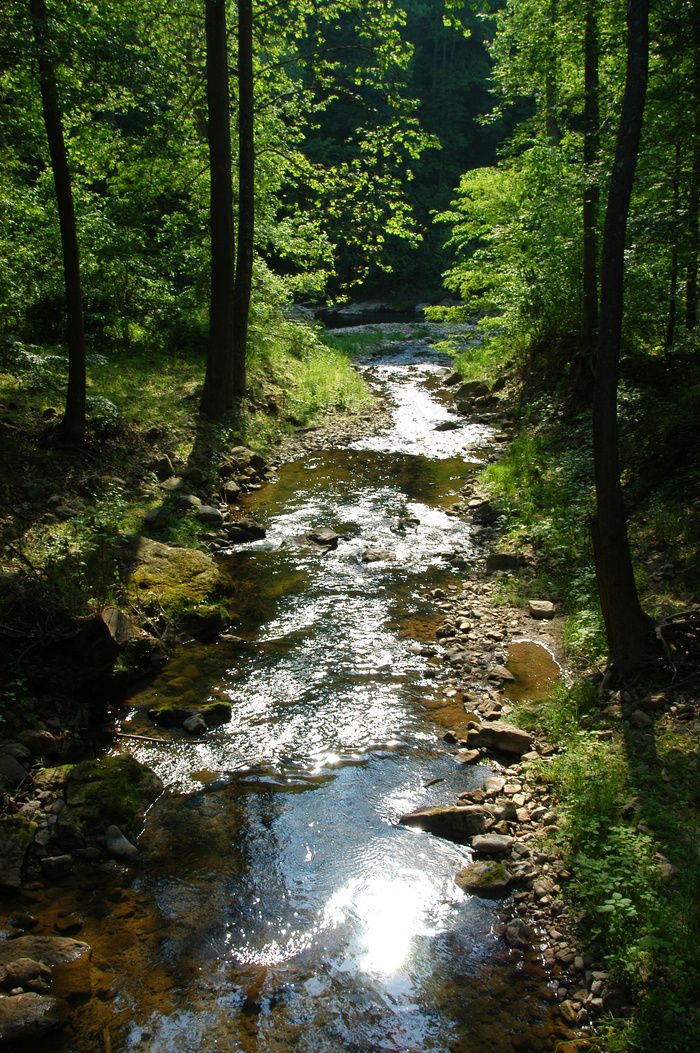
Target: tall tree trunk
217	396
691	283
673	278
591	194
629	630
246	193
73	424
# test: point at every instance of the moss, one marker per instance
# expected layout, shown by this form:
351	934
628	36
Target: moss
167	578
112	790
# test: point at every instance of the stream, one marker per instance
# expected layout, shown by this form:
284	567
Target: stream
280	905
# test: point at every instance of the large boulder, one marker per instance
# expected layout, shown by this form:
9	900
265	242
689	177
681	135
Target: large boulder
488	878
168	575
502	737
453	822
112	790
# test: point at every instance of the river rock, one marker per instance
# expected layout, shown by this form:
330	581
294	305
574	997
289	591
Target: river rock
209	516
120	625
49	950
541	609
502	737
174	716
374	554
162	466
168	574
17	836
323	538
518	934
12	773
111	790
471	389
247	458
453	822
231	491
118	846
25	973
56	867
39	743
487	878
244	530
492	844
27	1016
195	725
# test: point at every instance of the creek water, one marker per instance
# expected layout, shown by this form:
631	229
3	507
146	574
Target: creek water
280	905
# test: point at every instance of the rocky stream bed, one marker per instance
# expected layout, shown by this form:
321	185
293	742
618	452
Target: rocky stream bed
333	778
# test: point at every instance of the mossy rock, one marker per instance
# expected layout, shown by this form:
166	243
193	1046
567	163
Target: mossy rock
487	878
169	577
112	790
53	778
173	715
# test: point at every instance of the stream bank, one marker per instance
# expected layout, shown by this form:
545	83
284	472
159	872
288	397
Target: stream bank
235	795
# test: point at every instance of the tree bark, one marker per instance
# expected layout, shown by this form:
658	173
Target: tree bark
246	194
217	396
591	194
629	630
73	424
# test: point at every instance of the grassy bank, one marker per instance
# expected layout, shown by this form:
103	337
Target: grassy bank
66	509
627	775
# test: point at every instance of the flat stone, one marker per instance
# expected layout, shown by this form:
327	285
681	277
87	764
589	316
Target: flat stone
29	1015
453	822
467	756
497	735
486	878
492	844
209	516
541	609
493	784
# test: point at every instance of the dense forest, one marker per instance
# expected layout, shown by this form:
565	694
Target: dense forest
182	188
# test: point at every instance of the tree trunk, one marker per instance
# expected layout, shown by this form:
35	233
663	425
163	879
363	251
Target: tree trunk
629	630
691	284
73	424
246	193
591	194
673	277
217	396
